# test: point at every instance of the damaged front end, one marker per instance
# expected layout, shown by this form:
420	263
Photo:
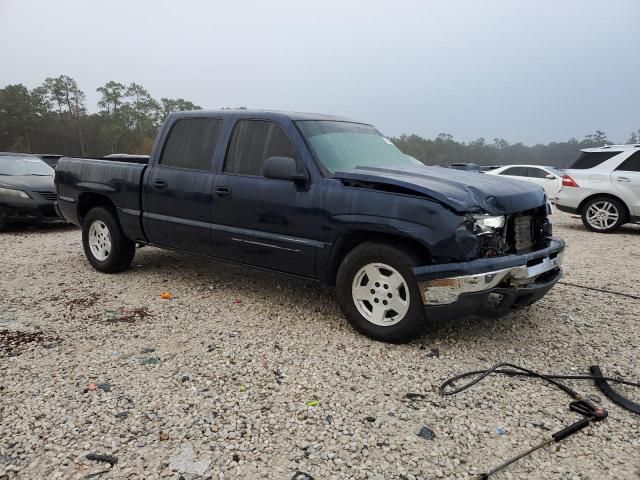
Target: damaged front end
516	262
517	233
490	240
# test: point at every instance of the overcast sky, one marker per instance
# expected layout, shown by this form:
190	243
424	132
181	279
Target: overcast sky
525	71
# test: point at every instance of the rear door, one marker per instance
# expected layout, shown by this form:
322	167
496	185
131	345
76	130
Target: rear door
261	221
178	188
626	179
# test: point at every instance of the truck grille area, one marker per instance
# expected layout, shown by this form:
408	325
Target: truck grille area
523	232
528	230
523	235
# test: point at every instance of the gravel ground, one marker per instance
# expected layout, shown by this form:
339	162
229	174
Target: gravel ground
251	375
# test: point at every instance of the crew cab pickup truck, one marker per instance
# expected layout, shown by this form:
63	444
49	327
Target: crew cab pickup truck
324	198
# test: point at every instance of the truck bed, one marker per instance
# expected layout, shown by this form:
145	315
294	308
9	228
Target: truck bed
119	179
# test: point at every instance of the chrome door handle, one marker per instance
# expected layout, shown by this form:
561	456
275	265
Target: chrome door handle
623	179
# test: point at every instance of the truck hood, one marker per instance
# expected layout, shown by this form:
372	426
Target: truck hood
459	190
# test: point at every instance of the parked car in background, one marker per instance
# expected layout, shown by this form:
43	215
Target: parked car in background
472	167
547	177
324	198
50	159
27	189
603	187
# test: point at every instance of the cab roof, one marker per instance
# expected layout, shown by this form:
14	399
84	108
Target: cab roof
265	114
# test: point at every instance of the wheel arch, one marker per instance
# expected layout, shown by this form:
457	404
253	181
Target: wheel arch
627	212
89	200
351	239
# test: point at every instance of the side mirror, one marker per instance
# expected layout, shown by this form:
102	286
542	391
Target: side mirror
284	168
550	177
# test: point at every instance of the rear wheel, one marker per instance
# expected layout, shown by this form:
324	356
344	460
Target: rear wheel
378	293
105	246
603	214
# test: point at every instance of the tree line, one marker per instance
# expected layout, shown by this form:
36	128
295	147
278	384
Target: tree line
53	118
444	150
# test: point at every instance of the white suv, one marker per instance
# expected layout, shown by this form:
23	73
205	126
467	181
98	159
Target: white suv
603	186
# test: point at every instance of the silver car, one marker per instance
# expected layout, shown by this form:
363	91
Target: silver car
603	187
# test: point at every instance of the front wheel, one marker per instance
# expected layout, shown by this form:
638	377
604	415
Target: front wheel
378	293
105	245
3	216
603	214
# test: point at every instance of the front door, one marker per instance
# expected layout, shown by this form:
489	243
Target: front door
178	190
261	221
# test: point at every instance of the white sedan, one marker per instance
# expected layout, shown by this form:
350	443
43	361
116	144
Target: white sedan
547	177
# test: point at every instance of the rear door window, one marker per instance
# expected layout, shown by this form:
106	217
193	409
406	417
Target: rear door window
631	164
536	173
191	143
253	142
592	159
515	171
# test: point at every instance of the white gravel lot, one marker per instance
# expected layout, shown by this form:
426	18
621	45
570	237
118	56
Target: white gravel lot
228	366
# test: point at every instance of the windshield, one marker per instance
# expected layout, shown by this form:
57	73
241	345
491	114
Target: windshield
343	146
13	165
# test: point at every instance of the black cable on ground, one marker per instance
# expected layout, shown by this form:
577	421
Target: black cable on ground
585	407
602	290
516	371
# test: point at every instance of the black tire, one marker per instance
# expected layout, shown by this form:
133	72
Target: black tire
122	249
413	324
615	206
3	215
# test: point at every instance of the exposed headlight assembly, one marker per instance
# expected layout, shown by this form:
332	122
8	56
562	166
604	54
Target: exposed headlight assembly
487	223
10	192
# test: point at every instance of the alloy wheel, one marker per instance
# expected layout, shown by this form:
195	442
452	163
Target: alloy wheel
99	240
380	293
602	215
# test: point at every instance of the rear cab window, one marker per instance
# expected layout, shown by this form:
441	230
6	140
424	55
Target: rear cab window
592	159
254	141
191	143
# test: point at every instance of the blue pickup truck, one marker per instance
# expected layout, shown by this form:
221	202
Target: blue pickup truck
324	198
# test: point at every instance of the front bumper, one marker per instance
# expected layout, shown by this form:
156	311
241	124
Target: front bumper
490	287
28	210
